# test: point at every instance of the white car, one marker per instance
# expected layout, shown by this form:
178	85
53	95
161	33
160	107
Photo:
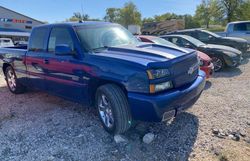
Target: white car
6	42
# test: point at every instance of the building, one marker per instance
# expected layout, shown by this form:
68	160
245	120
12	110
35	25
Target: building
15	25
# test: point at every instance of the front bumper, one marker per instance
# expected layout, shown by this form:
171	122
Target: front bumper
152	107
233	61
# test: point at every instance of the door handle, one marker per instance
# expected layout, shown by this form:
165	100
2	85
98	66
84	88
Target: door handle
46	61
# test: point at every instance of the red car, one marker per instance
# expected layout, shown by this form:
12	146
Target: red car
205	61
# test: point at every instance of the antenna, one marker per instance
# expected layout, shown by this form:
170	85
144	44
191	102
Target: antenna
82	10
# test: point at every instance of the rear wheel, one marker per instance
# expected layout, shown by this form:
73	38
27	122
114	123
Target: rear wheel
218	63
113	109
11	79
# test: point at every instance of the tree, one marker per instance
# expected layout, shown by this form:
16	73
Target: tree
230	8
208	12
112	15
148	20
129	15
190	22
243	11
167	16
77	16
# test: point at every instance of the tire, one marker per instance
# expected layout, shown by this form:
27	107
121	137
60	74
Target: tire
113	109
218	62
12	82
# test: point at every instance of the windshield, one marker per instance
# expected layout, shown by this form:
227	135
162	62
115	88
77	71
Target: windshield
195	41
211	33
161	41
102	37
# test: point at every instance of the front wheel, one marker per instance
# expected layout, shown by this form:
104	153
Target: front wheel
218	63
113	109
11	79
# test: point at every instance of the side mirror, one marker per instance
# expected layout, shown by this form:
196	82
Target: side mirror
63	50
210	37
188	45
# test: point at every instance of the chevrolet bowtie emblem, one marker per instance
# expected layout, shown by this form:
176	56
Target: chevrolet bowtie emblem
192	69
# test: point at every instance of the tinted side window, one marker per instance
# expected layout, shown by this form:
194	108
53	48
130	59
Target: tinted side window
230	28
177	41
242	27
202	36
144	40
37	39
188	33
60	36
194	34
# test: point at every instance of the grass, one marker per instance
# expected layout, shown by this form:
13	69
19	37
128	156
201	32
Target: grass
217	29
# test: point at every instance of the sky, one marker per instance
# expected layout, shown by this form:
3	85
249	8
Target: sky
59	10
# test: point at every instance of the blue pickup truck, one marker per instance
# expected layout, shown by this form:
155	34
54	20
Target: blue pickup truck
103	65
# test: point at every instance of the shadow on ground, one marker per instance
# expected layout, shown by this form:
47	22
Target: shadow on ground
174	141
246	60
228	72
208	85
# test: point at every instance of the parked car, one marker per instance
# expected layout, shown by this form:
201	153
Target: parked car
240	29
6	42
208	37
221	55
103	64
205	61
21	43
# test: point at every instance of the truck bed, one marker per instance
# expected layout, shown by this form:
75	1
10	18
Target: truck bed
13	55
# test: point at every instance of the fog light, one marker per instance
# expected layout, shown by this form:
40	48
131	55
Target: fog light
160	87
163	86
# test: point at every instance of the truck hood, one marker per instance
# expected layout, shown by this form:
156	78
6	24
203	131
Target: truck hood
234	39
222	48
144	53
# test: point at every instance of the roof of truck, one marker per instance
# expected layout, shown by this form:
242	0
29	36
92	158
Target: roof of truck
235	22
83	23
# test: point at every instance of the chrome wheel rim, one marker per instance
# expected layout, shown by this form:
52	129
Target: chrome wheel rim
11	80
105	111
217	63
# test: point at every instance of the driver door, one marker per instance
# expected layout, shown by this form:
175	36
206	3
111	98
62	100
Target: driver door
63	72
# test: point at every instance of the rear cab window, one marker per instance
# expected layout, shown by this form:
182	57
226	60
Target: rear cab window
242	27
38	39
229	28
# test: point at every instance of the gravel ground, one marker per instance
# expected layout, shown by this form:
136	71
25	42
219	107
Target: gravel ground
38	126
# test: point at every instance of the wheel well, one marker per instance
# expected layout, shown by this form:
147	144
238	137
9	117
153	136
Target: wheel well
5	66
97	83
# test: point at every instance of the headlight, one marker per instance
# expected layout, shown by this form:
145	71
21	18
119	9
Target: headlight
157	73
160	87
231	54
